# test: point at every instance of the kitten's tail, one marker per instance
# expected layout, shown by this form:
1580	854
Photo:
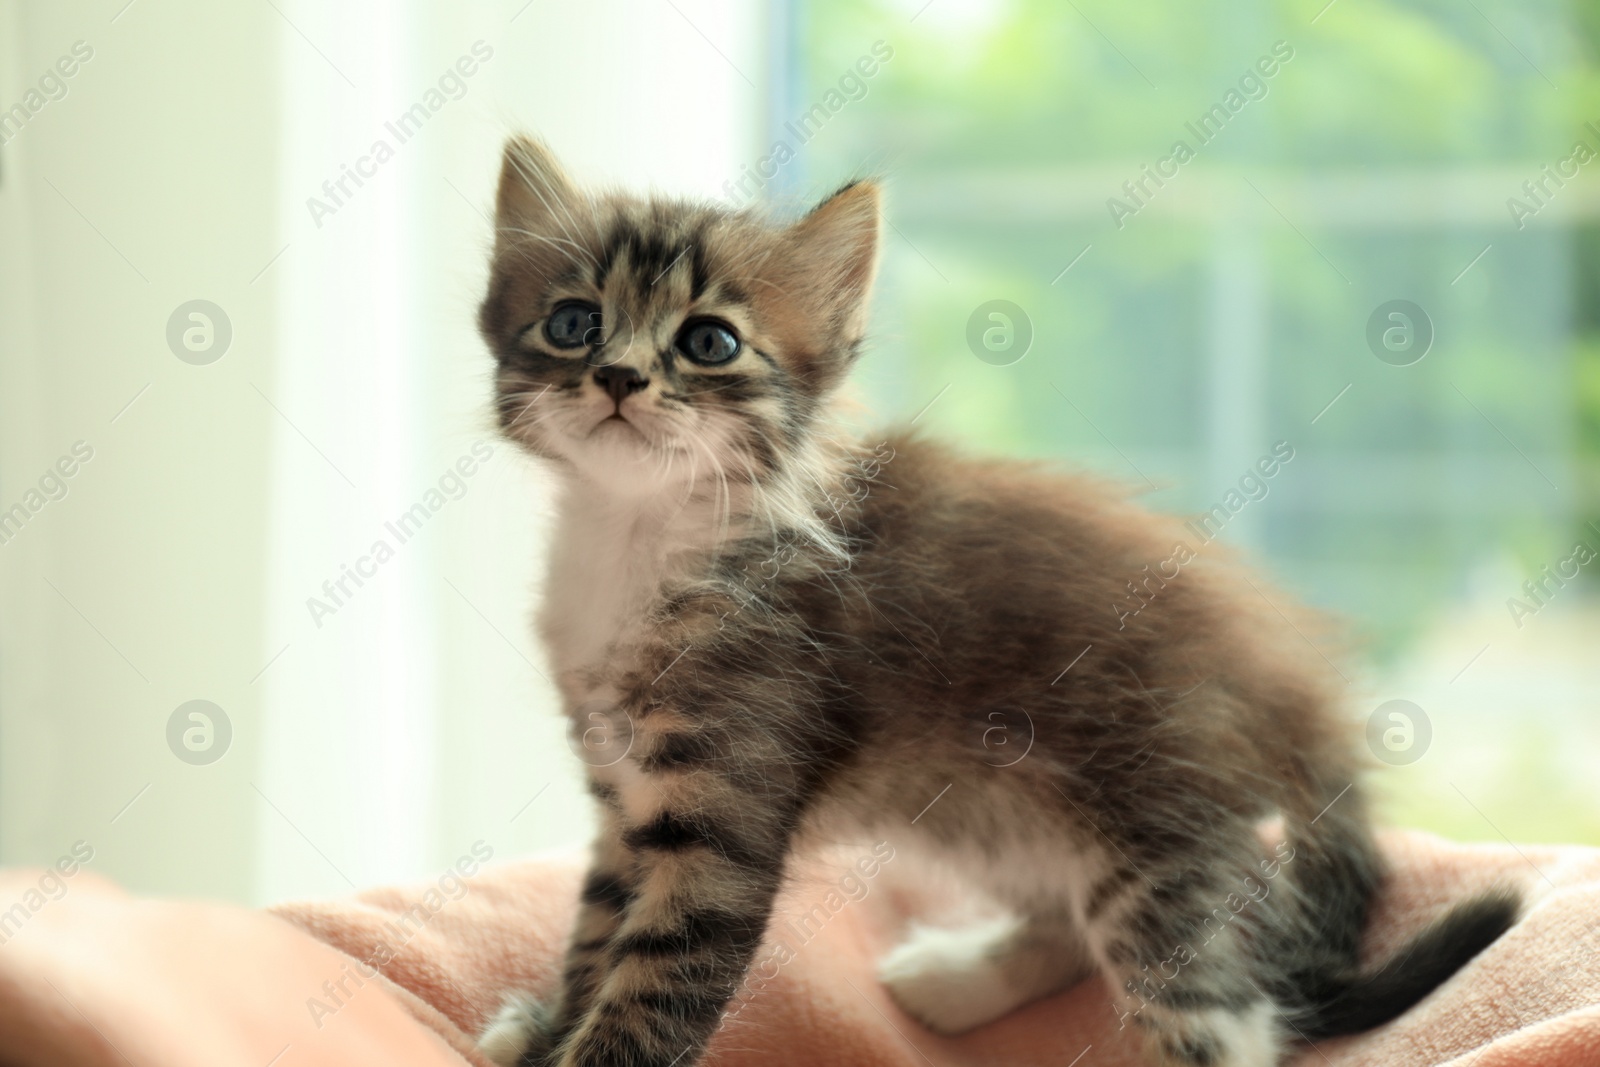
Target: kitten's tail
1340	872
1352	1003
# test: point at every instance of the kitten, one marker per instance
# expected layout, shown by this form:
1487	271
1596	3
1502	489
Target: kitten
797	633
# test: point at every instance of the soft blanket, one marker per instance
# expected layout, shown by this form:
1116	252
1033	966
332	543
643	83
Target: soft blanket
402	977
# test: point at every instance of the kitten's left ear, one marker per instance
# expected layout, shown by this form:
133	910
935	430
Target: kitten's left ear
831	259
535	193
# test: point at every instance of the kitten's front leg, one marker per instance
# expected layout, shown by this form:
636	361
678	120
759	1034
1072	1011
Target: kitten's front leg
526	1032
703	838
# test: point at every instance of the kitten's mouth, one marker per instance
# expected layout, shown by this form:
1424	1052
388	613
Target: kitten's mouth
614	422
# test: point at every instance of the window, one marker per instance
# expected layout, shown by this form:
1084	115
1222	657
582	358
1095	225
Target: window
1203	219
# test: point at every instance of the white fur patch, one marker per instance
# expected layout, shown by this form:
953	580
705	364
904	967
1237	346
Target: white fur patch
515	1027
607	563
1253	1038
949	980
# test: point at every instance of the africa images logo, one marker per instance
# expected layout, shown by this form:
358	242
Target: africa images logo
451	485
1252	85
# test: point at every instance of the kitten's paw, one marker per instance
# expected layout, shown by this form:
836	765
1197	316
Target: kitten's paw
519	1034
950	980
1253	1037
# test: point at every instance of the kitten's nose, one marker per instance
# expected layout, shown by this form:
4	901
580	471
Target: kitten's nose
619	380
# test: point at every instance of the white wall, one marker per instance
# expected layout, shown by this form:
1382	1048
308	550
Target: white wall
141	589
414	720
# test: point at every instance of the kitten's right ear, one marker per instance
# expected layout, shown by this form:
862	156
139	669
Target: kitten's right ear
535	193
826	270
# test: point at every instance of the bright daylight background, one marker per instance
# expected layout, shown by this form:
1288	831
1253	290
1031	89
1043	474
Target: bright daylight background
1226	313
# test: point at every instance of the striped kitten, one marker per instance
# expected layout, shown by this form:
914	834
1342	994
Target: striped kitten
799	636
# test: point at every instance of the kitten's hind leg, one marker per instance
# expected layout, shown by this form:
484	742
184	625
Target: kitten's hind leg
1251	1036
955	980
1187	979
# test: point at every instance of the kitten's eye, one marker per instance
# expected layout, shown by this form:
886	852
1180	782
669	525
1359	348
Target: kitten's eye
574	324
709	342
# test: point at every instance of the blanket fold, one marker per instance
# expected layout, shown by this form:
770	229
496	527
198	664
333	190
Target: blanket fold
403	977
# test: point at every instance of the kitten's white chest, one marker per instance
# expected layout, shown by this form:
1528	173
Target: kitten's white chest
600	586
608	562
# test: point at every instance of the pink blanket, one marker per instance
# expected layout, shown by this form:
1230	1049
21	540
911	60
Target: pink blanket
403	977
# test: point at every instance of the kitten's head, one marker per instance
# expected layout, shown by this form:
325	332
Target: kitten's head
643	341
